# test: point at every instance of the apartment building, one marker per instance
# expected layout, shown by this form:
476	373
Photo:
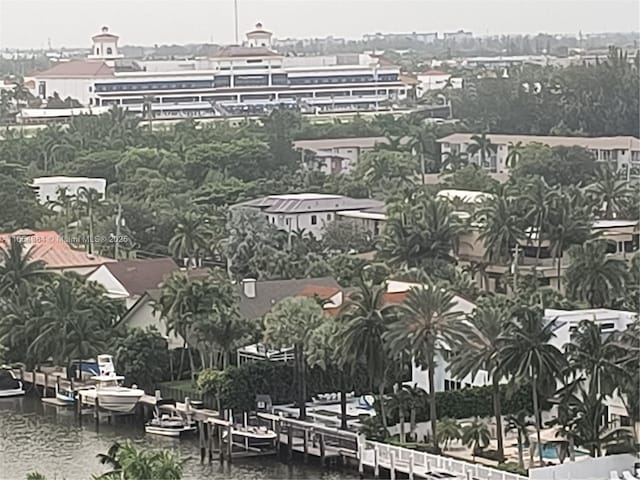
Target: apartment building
338	155
621	152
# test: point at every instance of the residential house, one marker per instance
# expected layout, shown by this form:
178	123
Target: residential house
256	298
621	152
130	279
431	80
47	188
337	155
54	251
306	211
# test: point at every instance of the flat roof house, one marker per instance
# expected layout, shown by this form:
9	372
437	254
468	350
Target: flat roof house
308	211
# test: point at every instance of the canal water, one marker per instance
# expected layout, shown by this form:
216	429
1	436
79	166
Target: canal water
47	439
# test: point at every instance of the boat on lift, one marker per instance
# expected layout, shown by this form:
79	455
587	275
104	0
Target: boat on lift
167	421
110	392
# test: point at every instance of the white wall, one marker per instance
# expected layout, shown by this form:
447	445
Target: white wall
586	469
143	316
48	190
294	222
114	288
77	88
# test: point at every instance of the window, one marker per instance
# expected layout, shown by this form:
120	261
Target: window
314	220
635	156
607	326
109	51
328	217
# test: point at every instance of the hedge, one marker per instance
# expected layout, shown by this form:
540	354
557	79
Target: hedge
241	384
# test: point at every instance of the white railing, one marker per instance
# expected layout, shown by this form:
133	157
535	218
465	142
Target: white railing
413	461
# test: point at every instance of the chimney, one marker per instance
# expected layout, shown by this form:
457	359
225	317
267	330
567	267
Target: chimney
249	287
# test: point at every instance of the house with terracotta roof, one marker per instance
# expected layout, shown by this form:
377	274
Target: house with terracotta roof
54	251
256	299
130	279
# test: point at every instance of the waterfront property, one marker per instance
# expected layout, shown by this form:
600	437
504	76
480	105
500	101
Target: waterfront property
256	298
130	279
56	252
232	80
308	211
47	188
621	152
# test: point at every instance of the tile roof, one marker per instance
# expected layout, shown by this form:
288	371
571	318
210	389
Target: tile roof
79	69
236	51
50	248
330	143
138	276
307	203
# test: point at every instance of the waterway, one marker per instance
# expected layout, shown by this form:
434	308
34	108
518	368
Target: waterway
47	439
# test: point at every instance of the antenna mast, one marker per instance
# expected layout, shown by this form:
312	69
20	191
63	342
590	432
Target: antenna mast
235	19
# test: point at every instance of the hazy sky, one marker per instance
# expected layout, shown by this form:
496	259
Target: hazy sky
30	23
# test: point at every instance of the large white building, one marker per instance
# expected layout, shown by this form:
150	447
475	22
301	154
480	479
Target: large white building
306	211
338	155
47	188
618	151
234	80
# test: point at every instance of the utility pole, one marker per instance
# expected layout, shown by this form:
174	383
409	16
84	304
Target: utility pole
118	222
514	267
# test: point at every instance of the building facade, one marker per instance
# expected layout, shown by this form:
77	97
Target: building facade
337	155
310	212
47	188
620	152
232	81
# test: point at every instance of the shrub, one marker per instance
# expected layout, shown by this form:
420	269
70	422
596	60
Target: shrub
513	467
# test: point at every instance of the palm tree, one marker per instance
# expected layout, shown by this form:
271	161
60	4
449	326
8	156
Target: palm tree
19	273
20	93
476	435
366	320
147	109
88	201
501	226
538	198
527	354
610	193
454	160
514	155
64	203
479	349
190	238
422	144
520	424
594	276
292	322
448	431
129	462
425	318
590	353
482	145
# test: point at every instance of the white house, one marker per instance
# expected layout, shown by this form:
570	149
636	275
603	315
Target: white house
130	279
338	155
618	151
430	80
308	211
46	188
259	37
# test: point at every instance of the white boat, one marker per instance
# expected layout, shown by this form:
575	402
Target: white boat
65	395
251	437
168	424
10	386
110	393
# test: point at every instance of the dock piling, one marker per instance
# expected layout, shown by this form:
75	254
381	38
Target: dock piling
201	438
289	442
305	445
392	465
376	465
322	450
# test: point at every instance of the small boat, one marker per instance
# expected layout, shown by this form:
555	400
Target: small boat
250	437
168	424
110	393
65	395
10	386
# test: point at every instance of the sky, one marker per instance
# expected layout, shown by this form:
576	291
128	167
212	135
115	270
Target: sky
70	23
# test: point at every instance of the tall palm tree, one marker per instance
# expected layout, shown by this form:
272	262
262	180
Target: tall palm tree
422	144
537	197
448	431
597	357
19	272
147	110
594	276
20	93
528	354
190	239
501	226
610	193
88	202
479	349
454	161
64	204
426	318
367	319
482	144
292	322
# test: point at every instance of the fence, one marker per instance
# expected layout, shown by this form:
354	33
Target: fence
407	460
